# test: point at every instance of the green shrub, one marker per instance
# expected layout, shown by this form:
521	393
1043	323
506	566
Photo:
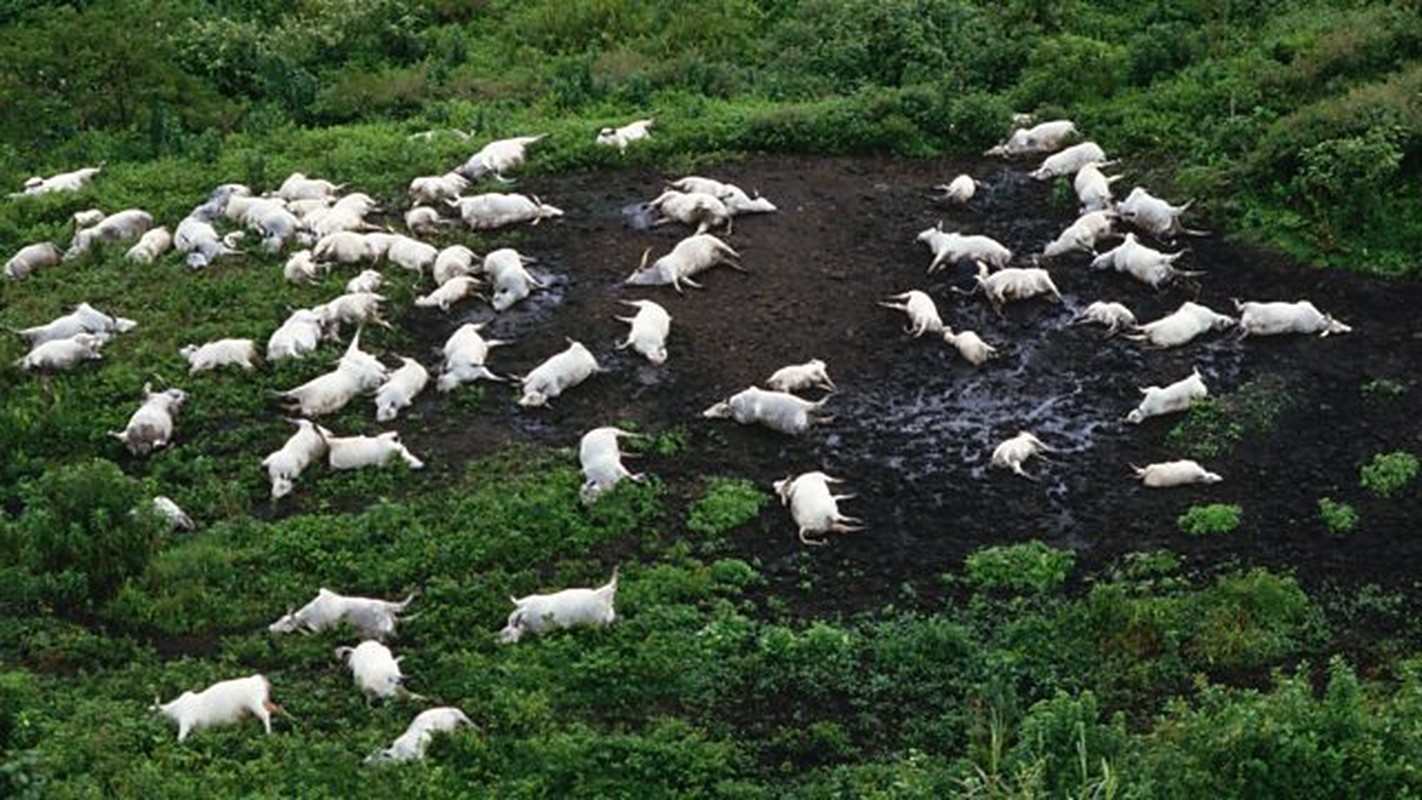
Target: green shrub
1388	472
1029	567
728	503
86	528
1210	520
1339	518
1214	427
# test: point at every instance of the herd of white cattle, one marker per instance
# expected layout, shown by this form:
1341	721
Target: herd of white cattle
332	229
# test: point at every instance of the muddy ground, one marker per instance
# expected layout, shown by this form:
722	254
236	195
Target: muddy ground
914	424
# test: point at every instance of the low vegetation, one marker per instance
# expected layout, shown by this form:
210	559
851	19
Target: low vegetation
1210	520
1020	675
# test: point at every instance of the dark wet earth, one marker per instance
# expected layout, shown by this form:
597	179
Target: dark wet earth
914	424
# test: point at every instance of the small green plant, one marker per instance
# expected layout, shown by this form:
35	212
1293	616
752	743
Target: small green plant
1384	389
1388	472
1210	520
1214	427
1339	518
1030	567
728	503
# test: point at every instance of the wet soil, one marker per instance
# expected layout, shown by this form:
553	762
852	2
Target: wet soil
914	424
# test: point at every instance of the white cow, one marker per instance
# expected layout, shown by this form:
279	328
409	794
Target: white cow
1272	319
412	744
559	373
1115	316
298	452
959	190
810	375
1068	161
625	135
454	261
1093	188
922	312
511	280
648	334
1174	473
498	157
1041	138
1153	215
1181	326
705	211
32	257
431	189
400	389
1145	264
450	292
1177	396
222	703
297	337
369	281
371	618
601	461
151	426
376	671
177	518
150	245
1015	283
1082	235
358	452
83	319
464	354
570	608
691	256
814	507
221	353
971	347
779	411
1012	453
950	248
494	210
61	354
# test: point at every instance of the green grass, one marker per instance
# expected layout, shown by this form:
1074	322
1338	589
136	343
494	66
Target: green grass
1388	473
1215	519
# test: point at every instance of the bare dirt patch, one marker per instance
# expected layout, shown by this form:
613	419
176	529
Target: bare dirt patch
915	425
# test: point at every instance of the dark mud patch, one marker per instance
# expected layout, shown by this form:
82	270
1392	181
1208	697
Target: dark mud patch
914	424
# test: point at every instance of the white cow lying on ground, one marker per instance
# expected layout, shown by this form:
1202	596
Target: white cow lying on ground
221	353
1041	138
950	248
1181	326
298	452
497	157
151	426
55	355
921	310
1177	396
376	671
691	256
1115	316
779	411
601	461
570	608
796	377
625	135
411	744
1174	473
371	618
1273	319
222	703
32	257
959	190
400	389
814	507
1068	161
559	373
650	327
1012	453
358	452
83	319
464	356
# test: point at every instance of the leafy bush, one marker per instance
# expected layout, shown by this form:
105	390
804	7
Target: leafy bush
1213	427
1210	520
1388	472
728	503
1029	567
1339	518
86	528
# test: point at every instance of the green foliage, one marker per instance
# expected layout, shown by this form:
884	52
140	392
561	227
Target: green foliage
1032	567
1388	473
1339	518
1210	520
1215	426
85	529
1384	389
727	504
